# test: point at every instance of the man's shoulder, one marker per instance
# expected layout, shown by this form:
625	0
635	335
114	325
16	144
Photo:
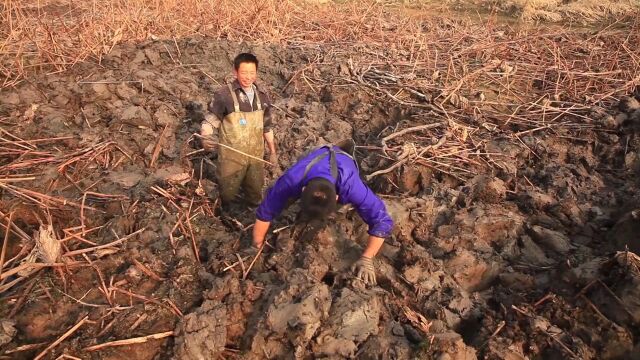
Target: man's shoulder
222	90
221	95
263	92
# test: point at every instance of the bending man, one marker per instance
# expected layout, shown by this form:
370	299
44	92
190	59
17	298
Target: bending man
321	179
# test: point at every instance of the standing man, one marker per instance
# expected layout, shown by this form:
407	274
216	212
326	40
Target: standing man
241	115
324	177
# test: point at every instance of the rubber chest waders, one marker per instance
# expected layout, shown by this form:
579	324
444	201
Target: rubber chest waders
242	131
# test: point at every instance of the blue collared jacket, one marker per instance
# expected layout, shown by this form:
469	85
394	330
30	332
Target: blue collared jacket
349	187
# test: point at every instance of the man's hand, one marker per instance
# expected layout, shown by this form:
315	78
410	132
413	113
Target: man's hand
364	270
208	144
259	232
257	242
273	158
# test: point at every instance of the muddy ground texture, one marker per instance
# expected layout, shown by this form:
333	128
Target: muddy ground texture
523	256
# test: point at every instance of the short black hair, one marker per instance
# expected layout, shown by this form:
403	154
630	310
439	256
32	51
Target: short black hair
244	58
318	199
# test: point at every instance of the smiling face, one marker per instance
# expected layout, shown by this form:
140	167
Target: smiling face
246	74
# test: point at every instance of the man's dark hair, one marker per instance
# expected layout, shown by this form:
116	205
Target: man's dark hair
244	58
318	199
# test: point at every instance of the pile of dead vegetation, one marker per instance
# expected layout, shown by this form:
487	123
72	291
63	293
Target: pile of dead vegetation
51	36
581	12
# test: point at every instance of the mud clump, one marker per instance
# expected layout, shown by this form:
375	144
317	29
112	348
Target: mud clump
353	318
298	319
551	239
450	346
202	334
624	233
487	189
7	331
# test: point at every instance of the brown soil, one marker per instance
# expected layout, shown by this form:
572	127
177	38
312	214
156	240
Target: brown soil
511	257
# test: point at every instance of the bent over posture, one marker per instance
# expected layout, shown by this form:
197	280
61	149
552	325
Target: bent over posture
322	178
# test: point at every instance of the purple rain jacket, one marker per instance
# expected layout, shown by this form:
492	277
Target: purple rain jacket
349	187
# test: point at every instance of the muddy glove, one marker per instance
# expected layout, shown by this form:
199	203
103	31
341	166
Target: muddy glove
208	144
364	270
249	253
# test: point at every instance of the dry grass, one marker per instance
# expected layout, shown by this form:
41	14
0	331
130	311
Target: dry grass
51	35
582	11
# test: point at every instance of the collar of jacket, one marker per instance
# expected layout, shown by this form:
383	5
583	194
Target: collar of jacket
236	85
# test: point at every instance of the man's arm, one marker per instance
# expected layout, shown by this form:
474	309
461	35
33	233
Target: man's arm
218	104
270	139
373	246
208	130
260	229
372	210
212	120
274	202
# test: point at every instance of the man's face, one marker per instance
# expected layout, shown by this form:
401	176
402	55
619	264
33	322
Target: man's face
246	74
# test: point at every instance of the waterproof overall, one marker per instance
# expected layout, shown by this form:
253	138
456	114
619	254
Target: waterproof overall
241	131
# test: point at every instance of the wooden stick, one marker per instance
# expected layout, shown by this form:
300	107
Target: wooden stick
235	263
196	251
239	152
26	266
597	311
5	244
62	338
17	179
16	230
387	170
174	307
22	298
244	275
8	286
94	248
139	320
146	270
25	348
42	140
411	129
158	147
138	340
106	328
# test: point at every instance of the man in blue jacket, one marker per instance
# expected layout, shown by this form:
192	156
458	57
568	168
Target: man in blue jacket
322	178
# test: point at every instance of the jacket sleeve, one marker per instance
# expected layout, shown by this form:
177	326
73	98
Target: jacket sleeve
268	113
218	104
370	208
278	196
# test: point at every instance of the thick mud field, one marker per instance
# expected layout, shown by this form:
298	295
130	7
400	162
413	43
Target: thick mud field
513	240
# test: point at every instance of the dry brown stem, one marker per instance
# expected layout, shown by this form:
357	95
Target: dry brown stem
62	338
138	340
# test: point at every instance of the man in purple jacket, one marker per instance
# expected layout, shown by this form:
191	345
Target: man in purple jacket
320	179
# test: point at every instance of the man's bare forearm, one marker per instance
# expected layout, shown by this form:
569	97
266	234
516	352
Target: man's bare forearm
271	143
260	229
373	246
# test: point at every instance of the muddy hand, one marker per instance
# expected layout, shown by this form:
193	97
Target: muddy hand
364	270
208	143
273	159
